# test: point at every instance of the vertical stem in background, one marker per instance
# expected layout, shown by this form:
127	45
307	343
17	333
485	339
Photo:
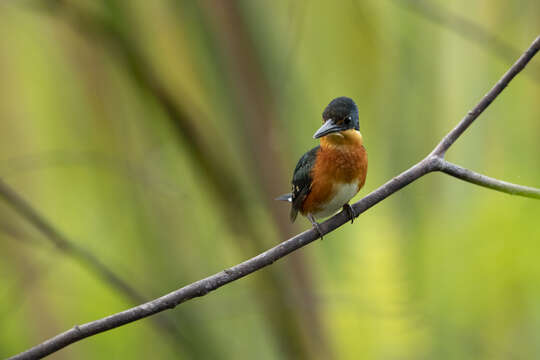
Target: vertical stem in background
255	100
222	181
211	169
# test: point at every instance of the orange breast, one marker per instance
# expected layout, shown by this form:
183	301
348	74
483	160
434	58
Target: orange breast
340	160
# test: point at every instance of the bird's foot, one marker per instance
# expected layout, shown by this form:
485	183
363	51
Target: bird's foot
348	208
316	225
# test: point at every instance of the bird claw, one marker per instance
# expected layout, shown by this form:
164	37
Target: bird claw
350	211
316	225
317	228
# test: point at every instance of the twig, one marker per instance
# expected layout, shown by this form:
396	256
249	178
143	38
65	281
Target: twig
252	95
486	181
65	245
467	29
222	181
453	135
202	287
108	33
62	243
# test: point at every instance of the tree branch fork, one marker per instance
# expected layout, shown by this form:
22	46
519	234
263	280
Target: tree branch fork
434	162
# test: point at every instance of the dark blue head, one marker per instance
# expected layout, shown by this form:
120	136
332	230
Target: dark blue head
340	115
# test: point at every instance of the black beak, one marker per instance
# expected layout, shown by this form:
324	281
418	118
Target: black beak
328	127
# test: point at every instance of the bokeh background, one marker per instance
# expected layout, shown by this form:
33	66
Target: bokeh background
154	135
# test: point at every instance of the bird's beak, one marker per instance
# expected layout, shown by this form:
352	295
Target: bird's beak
328	127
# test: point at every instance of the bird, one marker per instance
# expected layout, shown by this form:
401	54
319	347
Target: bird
328	176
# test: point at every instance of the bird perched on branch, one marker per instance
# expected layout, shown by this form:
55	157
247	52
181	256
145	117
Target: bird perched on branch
329	175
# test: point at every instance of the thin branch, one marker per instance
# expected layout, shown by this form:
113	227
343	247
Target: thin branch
467	29
105	32
24	209
13	232
65	245
453	135
202	287
255	101
486	181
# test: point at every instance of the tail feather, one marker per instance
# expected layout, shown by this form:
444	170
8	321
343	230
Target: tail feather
288	198
285	197
293	214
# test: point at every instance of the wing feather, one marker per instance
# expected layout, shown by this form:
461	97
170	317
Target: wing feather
301	182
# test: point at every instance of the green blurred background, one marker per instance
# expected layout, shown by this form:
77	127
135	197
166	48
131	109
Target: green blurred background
155	134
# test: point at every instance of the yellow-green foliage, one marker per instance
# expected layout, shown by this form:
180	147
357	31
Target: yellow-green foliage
441	270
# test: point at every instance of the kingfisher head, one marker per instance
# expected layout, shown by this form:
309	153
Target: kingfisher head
340	115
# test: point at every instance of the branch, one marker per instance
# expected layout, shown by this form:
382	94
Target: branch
24	209
486	181
465	28
453	135
109	32
202	287
70	248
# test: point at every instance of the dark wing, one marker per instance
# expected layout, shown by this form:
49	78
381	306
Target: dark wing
301	182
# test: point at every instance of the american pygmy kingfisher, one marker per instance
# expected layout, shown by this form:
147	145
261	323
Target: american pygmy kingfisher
329	175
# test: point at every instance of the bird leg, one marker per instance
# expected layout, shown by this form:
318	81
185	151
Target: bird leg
347	208
316	225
